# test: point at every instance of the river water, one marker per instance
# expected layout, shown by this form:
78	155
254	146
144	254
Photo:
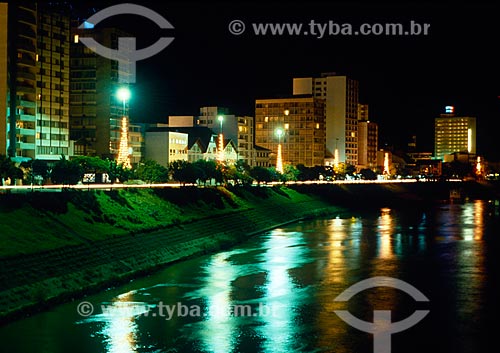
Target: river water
275	293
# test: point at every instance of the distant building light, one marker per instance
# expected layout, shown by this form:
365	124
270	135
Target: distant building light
449	109
469	140
76	38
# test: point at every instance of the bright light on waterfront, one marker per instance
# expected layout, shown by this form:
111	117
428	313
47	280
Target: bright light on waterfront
279	158
123	150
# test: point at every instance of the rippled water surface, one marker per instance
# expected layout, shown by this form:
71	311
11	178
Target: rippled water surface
276	292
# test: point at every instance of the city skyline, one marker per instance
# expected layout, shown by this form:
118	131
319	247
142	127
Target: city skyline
406	80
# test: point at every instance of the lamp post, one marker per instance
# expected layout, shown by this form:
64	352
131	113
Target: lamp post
279	159
123	151
220	156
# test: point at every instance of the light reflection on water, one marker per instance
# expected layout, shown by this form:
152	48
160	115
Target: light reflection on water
294	273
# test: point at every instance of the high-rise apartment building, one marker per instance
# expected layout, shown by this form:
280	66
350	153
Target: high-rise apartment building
18	79
367	144
301	121
52	128
341	94
96	111
34	80
4	77
454	134
367	139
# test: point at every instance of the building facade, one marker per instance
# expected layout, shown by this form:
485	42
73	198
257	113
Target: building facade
342	97
95	110
262	157
18	79
165	146
301	121
245	139
454	134
367	144
52	131
209	117
34	80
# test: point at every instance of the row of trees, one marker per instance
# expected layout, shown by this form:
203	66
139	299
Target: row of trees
93	169
64	171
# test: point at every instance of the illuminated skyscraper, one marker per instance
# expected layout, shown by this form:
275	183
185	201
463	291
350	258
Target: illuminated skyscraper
302	124
342	97
34	80
367	144
18	81
52	131
454	134
96	111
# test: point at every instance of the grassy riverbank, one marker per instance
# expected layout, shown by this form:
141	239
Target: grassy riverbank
59	246
42	221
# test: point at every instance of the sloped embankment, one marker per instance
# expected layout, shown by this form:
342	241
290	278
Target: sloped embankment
58	246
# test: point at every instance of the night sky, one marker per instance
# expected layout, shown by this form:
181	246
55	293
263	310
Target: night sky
406	80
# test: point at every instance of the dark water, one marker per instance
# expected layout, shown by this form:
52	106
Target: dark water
276	292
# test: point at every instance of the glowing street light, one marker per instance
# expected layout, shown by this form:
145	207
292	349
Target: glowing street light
123	94
279	159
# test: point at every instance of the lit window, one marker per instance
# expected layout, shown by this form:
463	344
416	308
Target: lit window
266	119
76	38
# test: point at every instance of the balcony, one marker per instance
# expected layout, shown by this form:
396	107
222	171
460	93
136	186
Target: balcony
26	75
27	117
26	31
27	17
25	89
26	132
26	104
25	146
26	61
26	45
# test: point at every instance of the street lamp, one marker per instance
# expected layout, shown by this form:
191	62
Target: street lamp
279	159
123	94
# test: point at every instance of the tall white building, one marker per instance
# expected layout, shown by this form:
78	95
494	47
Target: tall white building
342	97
